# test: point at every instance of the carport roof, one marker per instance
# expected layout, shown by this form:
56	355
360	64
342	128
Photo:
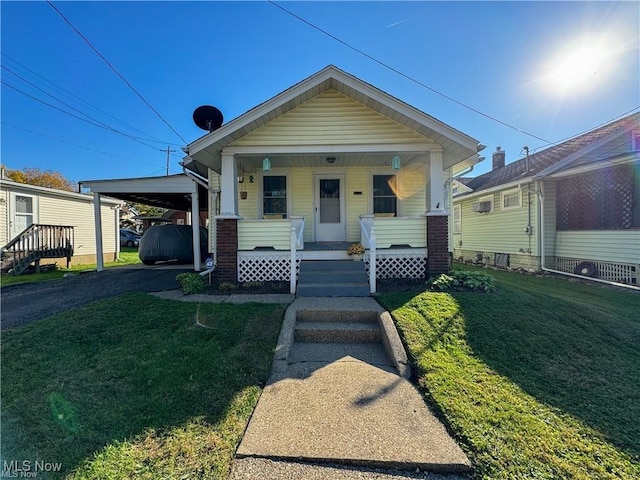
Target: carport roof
171	191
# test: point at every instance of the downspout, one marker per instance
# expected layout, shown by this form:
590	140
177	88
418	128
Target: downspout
540	195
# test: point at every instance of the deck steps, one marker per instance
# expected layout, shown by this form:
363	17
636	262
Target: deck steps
332	278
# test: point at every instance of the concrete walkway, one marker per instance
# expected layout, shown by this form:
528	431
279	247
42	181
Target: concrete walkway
349	409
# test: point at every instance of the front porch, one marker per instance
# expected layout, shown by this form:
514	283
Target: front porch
272	250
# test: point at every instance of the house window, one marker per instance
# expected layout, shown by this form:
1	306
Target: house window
384	197
274	196
510	199
457	219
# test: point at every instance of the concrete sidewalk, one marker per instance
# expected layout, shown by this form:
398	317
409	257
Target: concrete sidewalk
348	409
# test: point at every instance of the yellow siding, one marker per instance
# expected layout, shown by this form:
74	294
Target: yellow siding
79	214
264	233
300	187
358	180
301	181
620	246
500	231
330	119
400	231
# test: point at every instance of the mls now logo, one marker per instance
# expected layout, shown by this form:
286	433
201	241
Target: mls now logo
27	468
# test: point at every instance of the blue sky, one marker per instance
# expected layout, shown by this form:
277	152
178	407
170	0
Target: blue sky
492	56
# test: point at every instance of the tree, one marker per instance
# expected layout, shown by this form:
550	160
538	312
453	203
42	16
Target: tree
46	178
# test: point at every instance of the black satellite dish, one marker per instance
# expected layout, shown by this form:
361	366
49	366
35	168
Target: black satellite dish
208	118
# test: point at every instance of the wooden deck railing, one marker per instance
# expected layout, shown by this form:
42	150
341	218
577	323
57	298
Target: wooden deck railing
36	242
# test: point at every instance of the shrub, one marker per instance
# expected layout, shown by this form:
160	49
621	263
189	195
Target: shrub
251	285
191	283
227	286
463	280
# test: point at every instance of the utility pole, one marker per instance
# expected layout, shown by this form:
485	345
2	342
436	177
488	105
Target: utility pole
169	151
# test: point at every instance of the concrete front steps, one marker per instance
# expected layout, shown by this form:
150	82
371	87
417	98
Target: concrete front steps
332	278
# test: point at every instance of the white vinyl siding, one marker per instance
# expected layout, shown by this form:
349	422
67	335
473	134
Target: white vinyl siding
4	217
330	118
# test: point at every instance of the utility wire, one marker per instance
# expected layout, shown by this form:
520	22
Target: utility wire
114	70
76	116
404	75
51	137
98	122
42	80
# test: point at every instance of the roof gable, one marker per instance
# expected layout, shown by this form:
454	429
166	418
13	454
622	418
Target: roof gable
330	118
456	145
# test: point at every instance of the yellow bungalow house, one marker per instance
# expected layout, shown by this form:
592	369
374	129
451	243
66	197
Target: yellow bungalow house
573	208
330	161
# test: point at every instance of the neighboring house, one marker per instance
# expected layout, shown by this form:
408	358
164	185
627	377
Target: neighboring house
573	207
28	207
330	161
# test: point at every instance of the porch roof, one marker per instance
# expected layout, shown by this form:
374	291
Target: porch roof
459	149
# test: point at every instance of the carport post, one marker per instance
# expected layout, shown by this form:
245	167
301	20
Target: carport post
97	216
195	225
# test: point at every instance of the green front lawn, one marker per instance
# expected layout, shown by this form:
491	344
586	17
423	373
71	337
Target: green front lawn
538	380
131	388
128	256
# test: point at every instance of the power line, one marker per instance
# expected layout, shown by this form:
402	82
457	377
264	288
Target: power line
76	116
404	75
98	122
51	137
114	69
42	80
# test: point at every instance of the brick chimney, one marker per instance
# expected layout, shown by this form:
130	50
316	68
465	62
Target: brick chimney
498	158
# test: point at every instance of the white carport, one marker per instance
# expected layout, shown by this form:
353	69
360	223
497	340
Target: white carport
179	192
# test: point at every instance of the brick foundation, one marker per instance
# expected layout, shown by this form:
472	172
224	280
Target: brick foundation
437	245
227	249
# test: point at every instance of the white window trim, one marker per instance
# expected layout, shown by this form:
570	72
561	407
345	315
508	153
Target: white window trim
373	173
487	198
261	192
510	192
457	215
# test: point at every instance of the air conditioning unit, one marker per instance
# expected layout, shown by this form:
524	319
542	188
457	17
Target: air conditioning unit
482	207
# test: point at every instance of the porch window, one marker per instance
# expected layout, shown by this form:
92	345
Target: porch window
384	198
274	197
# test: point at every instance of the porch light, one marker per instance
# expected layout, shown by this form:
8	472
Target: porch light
395	163
266	164
331	159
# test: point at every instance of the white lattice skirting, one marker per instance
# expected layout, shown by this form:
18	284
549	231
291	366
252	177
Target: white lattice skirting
613	272
265	268
398	265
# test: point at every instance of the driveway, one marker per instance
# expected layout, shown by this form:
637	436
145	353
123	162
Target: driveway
29	302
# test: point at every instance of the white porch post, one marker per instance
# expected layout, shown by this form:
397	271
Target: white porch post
229	187
118	246
436	182
97	216
195	227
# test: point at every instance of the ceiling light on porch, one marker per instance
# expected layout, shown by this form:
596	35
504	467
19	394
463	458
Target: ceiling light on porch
331	159
395	163
266	164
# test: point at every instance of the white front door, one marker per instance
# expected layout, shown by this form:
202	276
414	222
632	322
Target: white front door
22	213
330	208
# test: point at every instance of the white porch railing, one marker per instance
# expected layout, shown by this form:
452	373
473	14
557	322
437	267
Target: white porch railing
369	241
296	241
